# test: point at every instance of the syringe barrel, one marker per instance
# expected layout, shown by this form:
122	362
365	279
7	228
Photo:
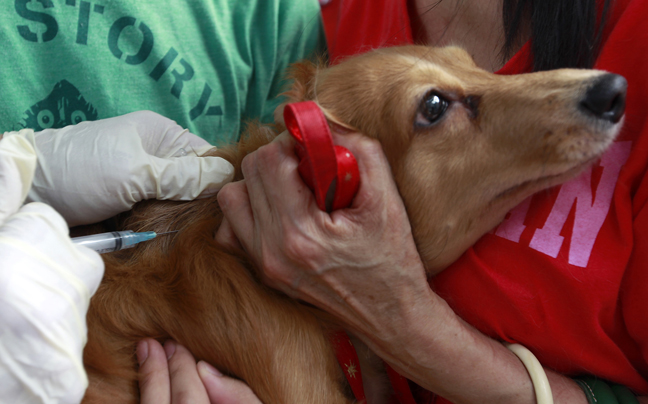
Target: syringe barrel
106	242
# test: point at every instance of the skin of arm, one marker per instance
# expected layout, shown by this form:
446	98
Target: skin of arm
361	264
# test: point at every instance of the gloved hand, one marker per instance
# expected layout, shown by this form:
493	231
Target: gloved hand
45	287
95	170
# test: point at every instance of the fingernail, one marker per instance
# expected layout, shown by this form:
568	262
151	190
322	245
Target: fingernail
169	348
204	366
142	351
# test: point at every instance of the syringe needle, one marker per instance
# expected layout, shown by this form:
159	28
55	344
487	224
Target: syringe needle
168	232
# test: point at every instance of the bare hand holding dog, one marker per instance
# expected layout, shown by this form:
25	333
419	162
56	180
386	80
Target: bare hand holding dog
169	374
307	253
361	265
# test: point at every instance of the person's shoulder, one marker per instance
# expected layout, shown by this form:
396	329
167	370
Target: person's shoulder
300	7
275	17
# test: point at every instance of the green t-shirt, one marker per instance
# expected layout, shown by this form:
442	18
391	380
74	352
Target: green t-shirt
207	64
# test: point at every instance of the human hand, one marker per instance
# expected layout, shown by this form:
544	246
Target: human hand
94	170
46	283
170	375
360	263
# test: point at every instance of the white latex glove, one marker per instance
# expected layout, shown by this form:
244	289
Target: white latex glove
95	170
45	287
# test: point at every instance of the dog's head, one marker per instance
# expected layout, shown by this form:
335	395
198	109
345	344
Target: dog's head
465	145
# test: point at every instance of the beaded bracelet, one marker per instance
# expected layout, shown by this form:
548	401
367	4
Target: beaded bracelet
598	391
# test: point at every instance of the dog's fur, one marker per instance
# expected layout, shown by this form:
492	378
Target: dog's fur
501	139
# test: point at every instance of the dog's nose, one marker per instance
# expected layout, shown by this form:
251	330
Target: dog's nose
605	98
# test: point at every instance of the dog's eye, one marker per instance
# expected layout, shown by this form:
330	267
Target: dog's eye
432	108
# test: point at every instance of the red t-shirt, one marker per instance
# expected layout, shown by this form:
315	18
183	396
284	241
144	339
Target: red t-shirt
566	273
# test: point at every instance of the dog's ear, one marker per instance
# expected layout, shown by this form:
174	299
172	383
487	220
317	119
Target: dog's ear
302	75
304	78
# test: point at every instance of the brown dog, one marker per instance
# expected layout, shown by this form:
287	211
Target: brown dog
464	145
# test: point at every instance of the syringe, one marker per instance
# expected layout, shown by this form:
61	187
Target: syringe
116	240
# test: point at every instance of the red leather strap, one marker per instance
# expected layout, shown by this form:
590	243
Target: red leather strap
348	360
400	385
318	165
330	171
347	180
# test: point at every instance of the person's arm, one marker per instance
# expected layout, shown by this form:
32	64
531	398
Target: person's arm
444	354
361	264
46	283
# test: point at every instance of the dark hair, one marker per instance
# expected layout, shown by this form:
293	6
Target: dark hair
564	33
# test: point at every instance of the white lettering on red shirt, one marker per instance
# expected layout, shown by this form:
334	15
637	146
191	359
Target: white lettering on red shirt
591	211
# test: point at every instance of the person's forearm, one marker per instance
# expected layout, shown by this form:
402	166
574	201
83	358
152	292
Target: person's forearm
444	354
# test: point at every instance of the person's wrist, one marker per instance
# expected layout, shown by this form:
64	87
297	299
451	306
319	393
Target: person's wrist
428	319
537	373
445	349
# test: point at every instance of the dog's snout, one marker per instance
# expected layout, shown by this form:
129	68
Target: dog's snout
605	98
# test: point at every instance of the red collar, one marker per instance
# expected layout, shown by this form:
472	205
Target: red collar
348	360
